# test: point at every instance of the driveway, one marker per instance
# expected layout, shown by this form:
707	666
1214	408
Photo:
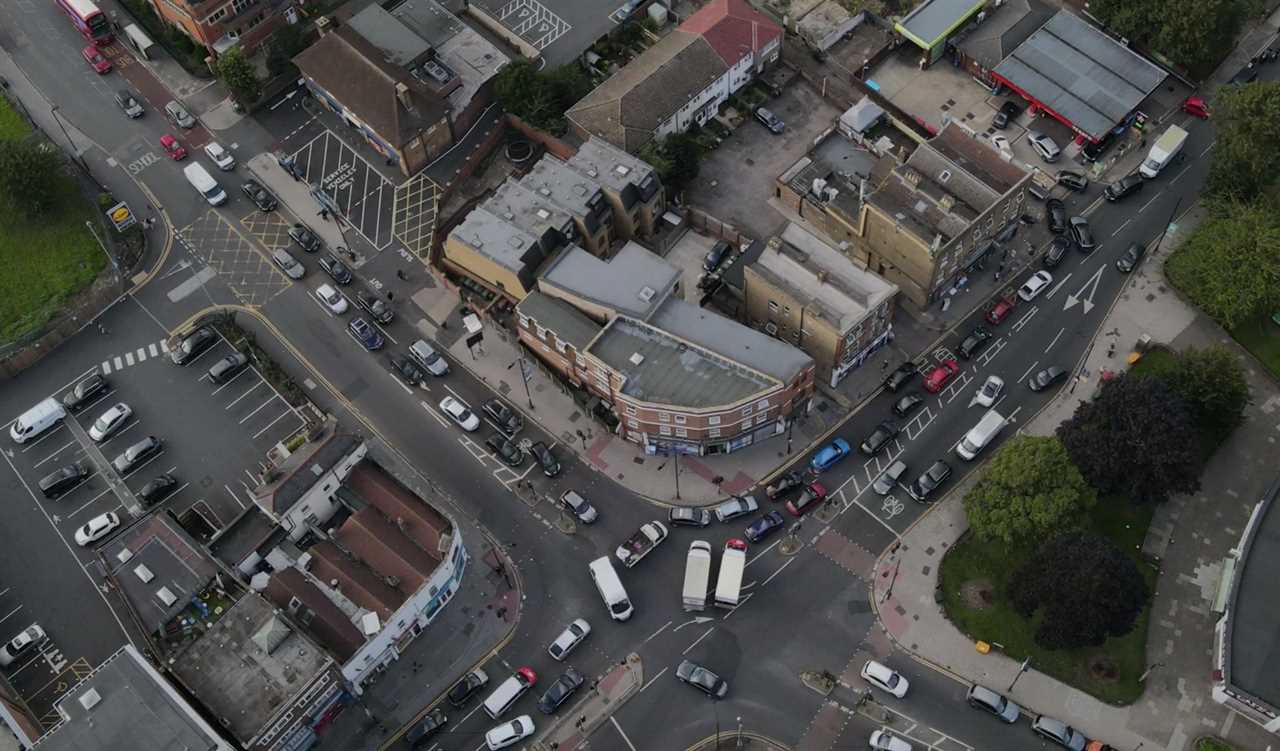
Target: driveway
736	180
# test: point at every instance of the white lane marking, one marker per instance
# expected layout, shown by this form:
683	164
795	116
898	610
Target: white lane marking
1122	226
1055	339
779	571
434	414
128	358
651	680
155	351
618	727
1057	286
700	638
1028	371
106	367
164	346
1148	203
11	612
141	354
119	363
655	633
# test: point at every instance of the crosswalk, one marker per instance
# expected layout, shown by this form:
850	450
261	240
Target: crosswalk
141	354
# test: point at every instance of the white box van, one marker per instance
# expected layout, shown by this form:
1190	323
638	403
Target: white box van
611	590
37	420
204	184
509	692
987	428
697	573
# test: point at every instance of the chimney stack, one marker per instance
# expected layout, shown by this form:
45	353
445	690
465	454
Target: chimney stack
402	93
324	25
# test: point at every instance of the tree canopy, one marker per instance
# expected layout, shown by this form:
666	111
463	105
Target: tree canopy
1029	491
1086	588
1194	33
1246	152
1136	439
1211	383
239	75
286	41
675	158
540	98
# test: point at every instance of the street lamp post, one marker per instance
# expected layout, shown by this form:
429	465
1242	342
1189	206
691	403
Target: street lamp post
71	146
1021	669
114	266
675	456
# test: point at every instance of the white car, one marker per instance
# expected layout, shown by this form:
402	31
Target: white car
884	678
568	639
460	413
883	740
219	156
332	299
990	391
1035	285
97	528
109	422
509	733
1001	142
13	649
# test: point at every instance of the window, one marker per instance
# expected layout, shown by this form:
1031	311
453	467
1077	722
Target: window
255	21
773	307
713	433
763	403
746	411
218	15
561	346
713	420
786	310
680	419
631	410
682	433
524	320
664	429
633	423
664	416
239	5
542	333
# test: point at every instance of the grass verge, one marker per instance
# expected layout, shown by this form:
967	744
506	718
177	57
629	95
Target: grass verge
1213	744
1261	336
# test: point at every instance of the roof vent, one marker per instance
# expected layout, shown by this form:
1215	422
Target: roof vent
947	201
622	170
944	176
514	242
370	624
580	189
636	358
544	190
544	214
508	216
124	555
89	699
920	206
647	293
166	596
144	573
591	172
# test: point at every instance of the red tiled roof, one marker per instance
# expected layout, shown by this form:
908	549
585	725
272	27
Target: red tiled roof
421	523
729	26
327	624
355	581
383	547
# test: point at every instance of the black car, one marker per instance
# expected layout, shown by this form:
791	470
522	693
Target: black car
907	404
364	332
975	343
546	459
1057	251
137	454
765	526
701	678
305	238
1046	378
335	269
1082	234
408	371
559	691
1247	74
86	391
58	482
424	729
193	345
1124	187
1073	180
259	195
899	378
879	438
928	482
504	449
1132	255
684	516
503	417
1095	149
1008	111
157	489
715	256
375	307
467	687
1056	215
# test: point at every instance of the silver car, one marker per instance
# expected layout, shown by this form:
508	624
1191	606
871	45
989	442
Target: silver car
740	506
886	482
1059	732
1044	146
288	264
981	697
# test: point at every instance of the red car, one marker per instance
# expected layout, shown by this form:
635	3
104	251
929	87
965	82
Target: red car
935	379
810	498
95	59
1196	107
1000	312
171	147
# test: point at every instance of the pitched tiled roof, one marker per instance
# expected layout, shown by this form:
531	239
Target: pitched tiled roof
419	522
732	27
356	582
381	546
325	622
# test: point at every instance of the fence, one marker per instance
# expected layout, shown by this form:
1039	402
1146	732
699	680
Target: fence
709	225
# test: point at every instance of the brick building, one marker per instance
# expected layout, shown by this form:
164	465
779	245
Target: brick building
223	26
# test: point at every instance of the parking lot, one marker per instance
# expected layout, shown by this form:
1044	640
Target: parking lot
42	673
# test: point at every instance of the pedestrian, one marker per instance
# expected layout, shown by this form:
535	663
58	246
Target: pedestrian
390	295
324	214
101	329
401	275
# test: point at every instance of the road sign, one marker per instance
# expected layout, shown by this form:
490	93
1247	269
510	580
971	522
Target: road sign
121	216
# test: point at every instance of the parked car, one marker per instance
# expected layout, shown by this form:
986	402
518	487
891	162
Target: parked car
288	264
701	678
193	345
259	195
505	449
981	697
1046	378
770	120
96	528
1095	149
883	740
220	157
889	479
509	733
93	56
425	729
686	516
86	391
336	270
136	454
1056	215
569	639
178	115
586	513
331	299
990	391
1059	732
408	371
110	421
828	455
1001	142
974	343
1001	310
1082	234
364	333
929	481
305	238
64	479
466	688
735	507
374	306
458	411
765	526
1008	112
1073	180
157	489
715	256
502	417
29	638
879	438
1057	251
940	375
785	484
225	369
907	404
172	149
560	690
882	677
1038	283
899	378
1124	187
1044	146
1196	107
545	458
810	498
1132	256
129	104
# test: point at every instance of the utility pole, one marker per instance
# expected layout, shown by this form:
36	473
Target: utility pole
1021	669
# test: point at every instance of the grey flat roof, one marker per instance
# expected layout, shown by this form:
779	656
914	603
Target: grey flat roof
567	187
527	210
497	239
1255	638
621	283
251	529
400	44
170	558
1080	73
428	19
613	167
129	706
931	19
670	371
561	317
731	340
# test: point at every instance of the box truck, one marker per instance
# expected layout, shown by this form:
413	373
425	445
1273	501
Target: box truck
1168	146
697	572
732	563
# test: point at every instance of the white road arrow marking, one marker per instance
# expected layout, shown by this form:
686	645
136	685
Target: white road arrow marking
1090	284
698	621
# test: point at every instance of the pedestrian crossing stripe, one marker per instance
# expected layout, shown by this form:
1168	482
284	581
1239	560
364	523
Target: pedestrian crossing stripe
120	362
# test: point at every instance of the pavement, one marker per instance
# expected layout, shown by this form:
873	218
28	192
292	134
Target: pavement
570	730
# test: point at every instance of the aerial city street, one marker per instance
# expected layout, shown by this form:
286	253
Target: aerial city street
686	374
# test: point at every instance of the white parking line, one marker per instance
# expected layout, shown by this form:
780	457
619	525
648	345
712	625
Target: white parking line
256	411
238	398
54	455
779	571
9	615
1057	286
436	415
141	466
235	378
273	422
378	326
1028	371
88	503
232	493
618	727
43	438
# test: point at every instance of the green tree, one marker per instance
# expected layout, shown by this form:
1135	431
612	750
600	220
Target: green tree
1246	152
1029	491
1135	439
1212	385
675	158
1230	264
1085	587
540	98
238	74
29	175
286	42
1194	33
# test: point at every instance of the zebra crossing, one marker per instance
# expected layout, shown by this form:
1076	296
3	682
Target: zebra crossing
141	354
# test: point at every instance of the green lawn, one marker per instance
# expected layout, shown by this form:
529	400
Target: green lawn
45	261
1261	336
1213	744
971	561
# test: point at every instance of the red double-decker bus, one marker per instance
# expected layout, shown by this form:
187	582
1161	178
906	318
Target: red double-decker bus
91	22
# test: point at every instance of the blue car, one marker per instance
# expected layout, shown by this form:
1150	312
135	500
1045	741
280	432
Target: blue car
367	335
828	455
765	526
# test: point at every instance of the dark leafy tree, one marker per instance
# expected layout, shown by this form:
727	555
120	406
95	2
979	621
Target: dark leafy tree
1085	587
1136	439
1246	152
238	73
676	158
540	98
29	175
287	41
1192	33
1212	385
1028	492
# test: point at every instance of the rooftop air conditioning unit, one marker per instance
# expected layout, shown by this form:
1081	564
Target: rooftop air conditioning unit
771	328
636	358
647	293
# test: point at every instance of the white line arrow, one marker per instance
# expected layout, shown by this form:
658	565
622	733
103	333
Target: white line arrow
1090	284
698	621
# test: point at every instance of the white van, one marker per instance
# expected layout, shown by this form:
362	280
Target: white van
508	693
987	428
611	590
37	420
204	184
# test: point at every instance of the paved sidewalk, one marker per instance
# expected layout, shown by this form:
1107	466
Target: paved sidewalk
571	728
